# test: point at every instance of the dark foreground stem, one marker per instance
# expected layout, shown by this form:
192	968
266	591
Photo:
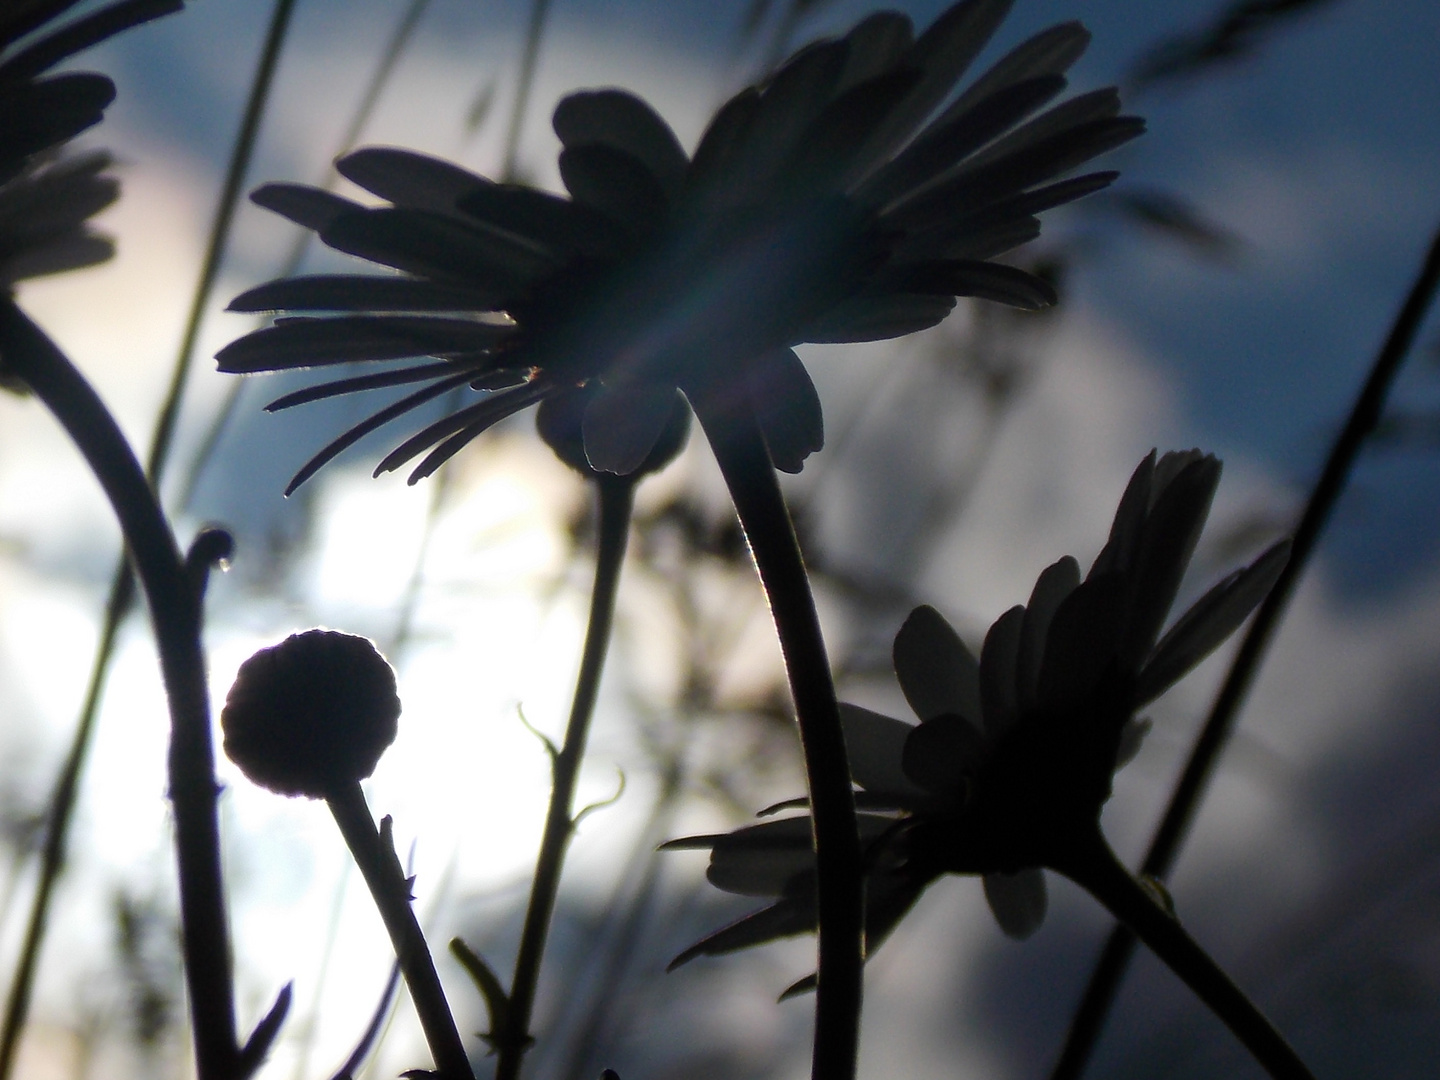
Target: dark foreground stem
616	496
745	463
122	589
1190	788
375	855
174	609
1100	873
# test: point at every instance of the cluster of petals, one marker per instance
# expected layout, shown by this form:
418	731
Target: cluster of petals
851	196
45	199
1012	760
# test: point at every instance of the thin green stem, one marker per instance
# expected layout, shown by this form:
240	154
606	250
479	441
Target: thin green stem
524	83
616	496
175	612
1098	871
1190	789
745	463
390	889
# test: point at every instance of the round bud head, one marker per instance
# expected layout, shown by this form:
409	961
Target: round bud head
312	714
561	417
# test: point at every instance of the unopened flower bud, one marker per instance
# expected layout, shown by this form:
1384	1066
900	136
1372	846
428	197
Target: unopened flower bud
312	714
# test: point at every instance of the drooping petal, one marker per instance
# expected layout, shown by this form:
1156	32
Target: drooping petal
1018	901
409	179
875	746
942	754
937	673
619	119
303	204
489	380
617	184
306	342
355	292
1172	529
999	660
623	423
1212	619
787	408
470	421
1055	583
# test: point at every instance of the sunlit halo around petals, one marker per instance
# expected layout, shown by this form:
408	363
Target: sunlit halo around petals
1014	754
851	196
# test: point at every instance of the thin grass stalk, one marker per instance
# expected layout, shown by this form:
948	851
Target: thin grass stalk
122	589
745	464
1190	789
616	497
524	83
175	611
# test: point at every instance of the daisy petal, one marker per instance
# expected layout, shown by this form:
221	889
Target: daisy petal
705	179
45	113
941	754
1118	554
1103	104
378	381
58	198
786	407
971	277
619	119
876	44
937	672
55	255
81	34
764	859
1212	619
1132	735
1055	583
1018	901
355	292
546	220
409	179
880	317
484	413
787	918
1172	530
789	103
1049	53
1080	647
622	424
617	184
999	660
306	342
302	204
875	745
823	156
431	244
942	54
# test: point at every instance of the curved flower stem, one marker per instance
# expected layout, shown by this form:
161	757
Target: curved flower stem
1214	736
1096	869
745	463
616	496
174	610
390	888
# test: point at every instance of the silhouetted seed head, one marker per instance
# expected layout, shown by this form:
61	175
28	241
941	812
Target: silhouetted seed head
311	714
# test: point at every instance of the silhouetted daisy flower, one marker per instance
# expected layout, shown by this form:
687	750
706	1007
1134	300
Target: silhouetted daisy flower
851	196
1012	760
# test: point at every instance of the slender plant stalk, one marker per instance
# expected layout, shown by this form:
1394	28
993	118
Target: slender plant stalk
1096	869
122	588
745	463
175	611
616	496
1184	802
524	83
391	891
